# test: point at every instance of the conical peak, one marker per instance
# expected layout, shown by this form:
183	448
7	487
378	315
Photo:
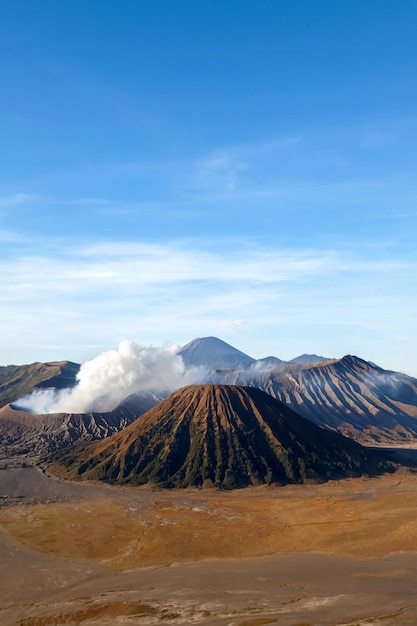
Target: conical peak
213	353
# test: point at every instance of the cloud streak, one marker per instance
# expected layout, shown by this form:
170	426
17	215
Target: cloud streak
128	266
15	199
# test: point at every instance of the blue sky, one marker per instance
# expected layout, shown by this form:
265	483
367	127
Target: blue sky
177	169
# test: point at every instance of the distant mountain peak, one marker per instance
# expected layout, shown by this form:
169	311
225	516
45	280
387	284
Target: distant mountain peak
307	359
269	362
214	354
352	361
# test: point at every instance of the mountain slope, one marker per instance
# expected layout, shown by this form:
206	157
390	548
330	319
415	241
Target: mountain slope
349	395
19	380
219	435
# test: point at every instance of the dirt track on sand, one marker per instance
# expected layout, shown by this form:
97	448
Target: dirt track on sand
335	554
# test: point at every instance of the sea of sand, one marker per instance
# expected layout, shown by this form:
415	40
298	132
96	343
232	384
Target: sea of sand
333	554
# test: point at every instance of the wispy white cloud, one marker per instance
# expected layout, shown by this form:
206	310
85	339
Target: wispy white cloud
217	173
126	269
93	201
309	171
8	236
227	324
15	199
100	294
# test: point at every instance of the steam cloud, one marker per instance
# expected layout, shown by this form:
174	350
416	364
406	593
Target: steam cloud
106	380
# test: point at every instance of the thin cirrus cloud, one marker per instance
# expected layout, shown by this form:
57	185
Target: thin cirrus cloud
93	293
310	173
15	199
130	269
217	173
100	294
118	266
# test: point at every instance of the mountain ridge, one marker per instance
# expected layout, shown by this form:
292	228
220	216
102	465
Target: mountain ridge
22	432
215	353
349	395
19	380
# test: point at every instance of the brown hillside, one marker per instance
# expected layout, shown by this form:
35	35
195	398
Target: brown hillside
220	435
19	380
349	395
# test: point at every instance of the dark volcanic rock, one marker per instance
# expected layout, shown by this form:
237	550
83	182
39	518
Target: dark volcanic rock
38	434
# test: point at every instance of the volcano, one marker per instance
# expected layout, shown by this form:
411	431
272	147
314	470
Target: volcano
219	435
214	354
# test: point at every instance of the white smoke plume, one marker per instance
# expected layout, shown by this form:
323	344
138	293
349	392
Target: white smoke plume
108	379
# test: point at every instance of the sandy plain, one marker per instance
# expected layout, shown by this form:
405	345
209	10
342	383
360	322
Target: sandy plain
338	553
